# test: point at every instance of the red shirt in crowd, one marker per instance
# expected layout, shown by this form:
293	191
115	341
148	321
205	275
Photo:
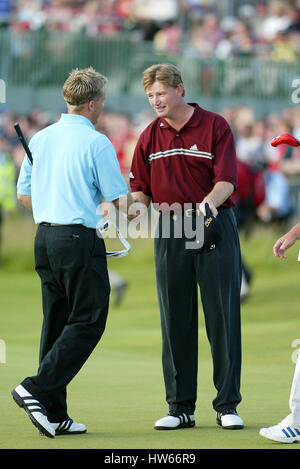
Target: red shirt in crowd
183	167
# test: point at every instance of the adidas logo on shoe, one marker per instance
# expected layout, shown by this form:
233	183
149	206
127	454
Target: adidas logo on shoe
282	434
174	422
68	427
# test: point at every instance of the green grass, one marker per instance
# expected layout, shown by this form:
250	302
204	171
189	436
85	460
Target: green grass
119	392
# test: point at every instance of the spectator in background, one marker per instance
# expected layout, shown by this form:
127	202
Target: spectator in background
199	28
6	10
7	185
118	127
224	48
167	39
243	42
205	34
252	138
250	190
276	20
284	48
150	17
252	141
249	146
277	205
294	17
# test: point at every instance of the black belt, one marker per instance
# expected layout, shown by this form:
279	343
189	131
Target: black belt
44	223
190	212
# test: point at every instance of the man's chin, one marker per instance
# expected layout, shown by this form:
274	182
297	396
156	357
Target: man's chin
161	113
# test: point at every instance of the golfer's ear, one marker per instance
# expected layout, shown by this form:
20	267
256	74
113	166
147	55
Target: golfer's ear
91	105
180	90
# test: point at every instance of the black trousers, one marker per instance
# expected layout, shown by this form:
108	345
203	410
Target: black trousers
71	263
218	274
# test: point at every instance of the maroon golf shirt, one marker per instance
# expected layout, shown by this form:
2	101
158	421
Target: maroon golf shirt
184	166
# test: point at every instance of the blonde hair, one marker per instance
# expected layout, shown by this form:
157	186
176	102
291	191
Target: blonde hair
82	86
167	74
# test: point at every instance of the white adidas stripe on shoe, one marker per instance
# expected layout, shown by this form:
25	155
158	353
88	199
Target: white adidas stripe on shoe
34	409
68	427
174	422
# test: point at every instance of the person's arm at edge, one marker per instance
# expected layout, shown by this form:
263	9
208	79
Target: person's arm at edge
286	241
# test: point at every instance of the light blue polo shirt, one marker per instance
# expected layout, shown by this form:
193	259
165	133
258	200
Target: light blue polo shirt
74	167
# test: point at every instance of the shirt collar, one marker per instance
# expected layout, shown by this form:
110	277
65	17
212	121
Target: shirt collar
75	119
192	122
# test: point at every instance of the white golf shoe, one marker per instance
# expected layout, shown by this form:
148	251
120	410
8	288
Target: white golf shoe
230	420
172	422
283	432
68	427
34	409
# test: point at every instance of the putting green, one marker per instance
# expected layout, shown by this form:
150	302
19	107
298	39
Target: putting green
119	392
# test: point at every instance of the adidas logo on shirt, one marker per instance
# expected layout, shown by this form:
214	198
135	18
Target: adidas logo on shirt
194	147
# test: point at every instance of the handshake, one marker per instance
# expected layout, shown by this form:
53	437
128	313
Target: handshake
205	228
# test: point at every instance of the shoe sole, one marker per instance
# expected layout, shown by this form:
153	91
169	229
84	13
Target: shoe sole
67	433
233	427
278	440
70	433
19	401
181	425
230	427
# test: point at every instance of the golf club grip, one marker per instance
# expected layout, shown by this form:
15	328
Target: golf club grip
23	141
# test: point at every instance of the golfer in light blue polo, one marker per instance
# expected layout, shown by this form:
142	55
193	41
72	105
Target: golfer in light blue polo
74	167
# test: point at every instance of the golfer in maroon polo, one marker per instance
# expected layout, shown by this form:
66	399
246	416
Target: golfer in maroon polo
187	157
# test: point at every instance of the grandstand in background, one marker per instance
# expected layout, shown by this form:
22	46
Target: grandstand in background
231	52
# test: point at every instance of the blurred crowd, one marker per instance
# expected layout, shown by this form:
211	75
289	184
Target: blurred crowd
265	172
269	178
197	28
